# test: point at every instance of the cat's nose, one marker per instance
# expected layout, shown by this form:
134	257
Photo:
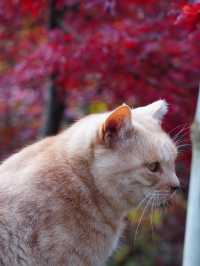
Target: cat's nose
174	183
174	188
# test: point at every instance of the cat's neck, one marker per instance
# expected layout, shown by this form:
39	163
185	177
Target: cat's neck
78	154
106	206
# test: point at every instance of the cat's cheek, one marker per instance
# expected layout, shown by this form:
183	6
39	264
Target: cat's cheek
148	180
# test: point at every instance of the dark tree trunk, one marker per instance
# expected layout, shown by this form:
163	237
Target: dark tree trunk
54	112
55	103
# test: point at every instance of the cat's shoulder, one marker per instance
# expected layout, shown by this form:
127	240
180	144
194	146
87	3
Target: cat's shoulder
21	158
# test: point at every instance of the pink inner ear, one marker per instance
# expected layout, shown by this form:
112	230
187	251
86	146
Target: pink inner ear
118	120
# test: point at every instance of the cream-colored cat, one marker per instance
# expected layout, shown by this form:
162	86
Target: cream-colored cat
63	199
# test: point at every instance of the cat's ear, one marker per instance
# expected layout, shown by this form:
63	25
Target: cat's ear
157	109
117	126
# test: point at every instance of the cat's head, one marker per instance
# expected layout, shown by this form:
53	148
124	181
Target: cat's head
133	157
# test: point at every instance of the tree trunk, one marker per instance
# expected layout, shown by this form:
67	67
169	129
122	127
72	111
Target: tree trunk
192	237
55	103
54	111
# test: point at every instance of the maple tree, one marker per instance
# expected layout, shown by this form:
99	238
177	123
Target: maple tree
83	56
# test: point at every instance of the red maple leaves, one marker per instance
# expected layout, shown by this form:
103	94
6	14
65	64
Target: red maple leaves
33	8
135	54
190	16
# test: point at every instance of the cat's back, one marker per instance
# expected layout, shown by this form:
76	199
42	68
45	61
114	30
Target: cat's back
30	152
30	206
18	170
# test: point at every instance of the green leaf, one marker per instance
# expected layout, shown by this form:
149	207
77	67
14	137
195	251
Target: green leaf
97	107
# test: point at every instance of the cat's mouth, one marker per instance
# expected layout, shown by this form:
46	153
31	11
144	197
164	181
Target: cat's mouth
156	200
162	200
166	202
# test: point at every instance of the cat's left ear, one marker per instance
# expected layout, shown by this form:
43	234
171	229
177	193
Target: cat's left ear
117	126
158	109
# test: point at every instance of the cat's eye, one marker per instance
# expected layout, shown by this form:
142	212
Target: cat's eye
154	167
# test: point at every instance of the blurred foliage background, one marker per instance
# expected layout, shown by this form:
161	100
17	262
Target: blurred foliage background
62	59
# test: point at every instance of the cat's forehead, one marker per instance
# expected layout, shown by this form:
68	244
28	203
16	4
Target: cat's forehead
159	146
165	148
153	139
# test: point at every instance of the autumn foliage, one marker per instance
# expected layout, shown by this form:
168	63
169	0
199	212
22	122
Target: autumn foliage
97	54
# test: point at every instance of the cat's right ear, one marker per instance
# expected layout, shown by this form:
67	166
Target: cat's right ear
117	126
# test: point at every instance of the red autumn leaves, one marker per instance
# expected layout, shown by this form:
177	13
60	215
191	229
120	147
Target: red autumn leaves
190	16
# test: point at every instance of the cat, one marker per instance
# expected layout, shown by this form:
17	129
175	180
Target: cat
63	200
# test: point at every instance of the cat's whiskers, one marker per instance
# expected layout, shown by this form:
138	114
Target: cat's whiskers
154	200
177	127
152	216
142	201
182	142
162	199
180	138
183	139
182	147
148	201
181	131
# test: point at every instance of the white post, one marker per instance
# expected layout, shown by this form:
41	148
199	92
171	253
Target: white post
191	256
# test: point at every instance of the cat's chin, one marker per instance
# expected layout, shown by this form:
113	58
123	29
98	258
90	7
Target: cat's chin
165	205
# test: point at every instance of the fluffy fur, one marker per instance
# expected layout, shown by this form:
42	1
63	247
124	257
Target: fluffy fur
64	198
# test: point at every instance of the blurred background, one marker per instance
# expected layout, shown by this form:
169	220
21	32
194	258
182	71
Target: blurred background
63	59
